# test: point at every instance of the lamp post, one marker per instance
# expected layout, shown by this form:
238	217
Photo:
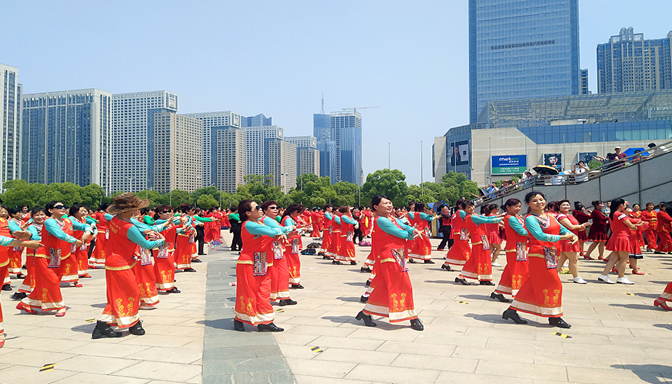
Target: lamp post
130	183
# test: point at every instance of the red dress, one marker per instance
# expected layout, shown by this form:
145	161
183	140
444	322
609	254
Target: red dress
422	246
663	229
184	250
564	245
164	261
650	231
335	237
479	266
99	251
541	294
326	235
279	271
581	217
28	284
620	234
15	254
516	270
393	293
598	231
493	232
346	252
253	283
292	254
460	252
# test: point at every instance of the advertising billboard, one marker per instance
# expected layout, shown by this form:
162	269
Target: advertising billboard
459	153
509	164
553	160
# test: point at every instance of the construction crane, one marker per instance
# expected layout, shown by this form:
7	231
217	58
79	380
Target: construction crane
356	108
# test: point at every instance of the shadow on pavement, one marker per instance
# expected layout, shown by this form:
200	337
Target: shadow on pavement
650	373
224	323
634	306
440	281
101	305
354	284
349	299
664	326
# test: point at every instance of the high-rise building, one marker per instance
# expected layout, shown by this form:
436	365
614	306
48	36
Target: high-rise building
307	155
584	83
67	137
229	158
628	63
129	136
174	152
346	128
522	49
325	145
255	139
10	124
280	162
256	121
210	120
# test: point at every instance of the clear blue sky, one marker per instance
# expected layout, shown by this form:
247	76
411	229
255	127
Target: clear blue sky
276	58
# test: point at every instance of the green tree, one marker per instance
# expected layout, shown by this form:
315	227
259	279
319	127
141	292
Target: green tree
206	201
346	193
390	183
209	190
176	198
19	192
465	188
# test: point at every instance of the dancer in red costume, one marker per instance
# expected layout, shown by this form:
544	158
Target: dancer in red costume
494	238
164	257
541	294
619	243
253	283
327	237
421	219
346	252
663	229
479	266
582	218
651	217
393	293
460	252
279	271
598	231
293	245
35	228
569	251
99	251
516	270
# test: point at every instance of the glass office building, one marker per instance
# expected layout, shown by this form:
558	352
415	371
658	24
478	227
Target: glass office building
10	124
522	49
325	144
346	128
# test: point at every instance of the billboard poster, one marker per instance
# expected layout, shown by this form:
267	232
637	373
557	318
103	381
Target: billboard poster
509	164
586	157
553	160
459	153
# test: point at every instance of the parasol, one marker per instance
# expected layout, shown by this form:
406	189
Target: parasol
545	170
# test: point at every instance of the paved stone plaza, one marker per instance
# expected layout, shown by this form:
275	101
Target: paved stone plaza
616	337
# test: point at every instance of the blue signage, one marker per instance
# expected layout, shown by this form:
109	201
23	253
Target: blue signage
509	165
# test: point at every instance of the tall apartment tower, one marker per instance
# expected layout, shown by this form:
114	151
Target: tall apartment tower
628	63
229	158
10	124
307	155
129	136
255	143
583	85
325	145
67	137
211	120
174	152
522	49
346	128
280	162
256	121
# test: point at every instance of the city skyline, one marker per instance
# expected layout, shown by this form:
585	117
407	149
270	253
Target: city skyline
413	60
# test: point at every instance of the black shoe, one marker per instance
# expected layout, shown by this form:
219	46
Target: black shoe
558	322
365	269
269	328
287	302
336	262
353	263
513	315
238	325
446	267
20	276
321	254
137	329
296	286
368	282
189	270
411	261
462	281
173	290
196	260
429	262
18	296
417	325
486	282
325	257
6	287
364	299
500	297
367	319
104	330
658	253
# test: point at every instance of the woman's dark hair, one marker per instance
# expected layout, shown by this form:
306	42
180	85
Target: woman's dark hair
411	203
14	211
161	208
614	207
491	208
145	210
510	203
327	206
243	207
595	203
376	200
266	204
668	208
532	194
343	209
440	207
74	209
103	207
234	209
484	210
48	206
419	207
578	205
637	204
36	210
462	203
563	201
184	208
293	208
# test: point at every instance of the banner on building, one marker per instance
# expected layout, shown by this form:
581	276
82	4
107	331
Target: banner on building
553	160
508	165
586	157
459	153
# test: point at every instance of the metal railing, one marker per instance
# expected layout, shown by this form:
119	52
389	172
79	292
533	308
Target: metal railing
569	179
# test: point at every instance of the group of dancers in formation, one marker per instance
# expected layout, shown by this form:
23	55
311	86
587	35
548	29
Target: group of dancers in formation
537	246
140	250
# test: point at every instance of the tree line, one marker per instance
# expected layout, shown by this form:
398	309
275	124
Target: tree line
310	190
